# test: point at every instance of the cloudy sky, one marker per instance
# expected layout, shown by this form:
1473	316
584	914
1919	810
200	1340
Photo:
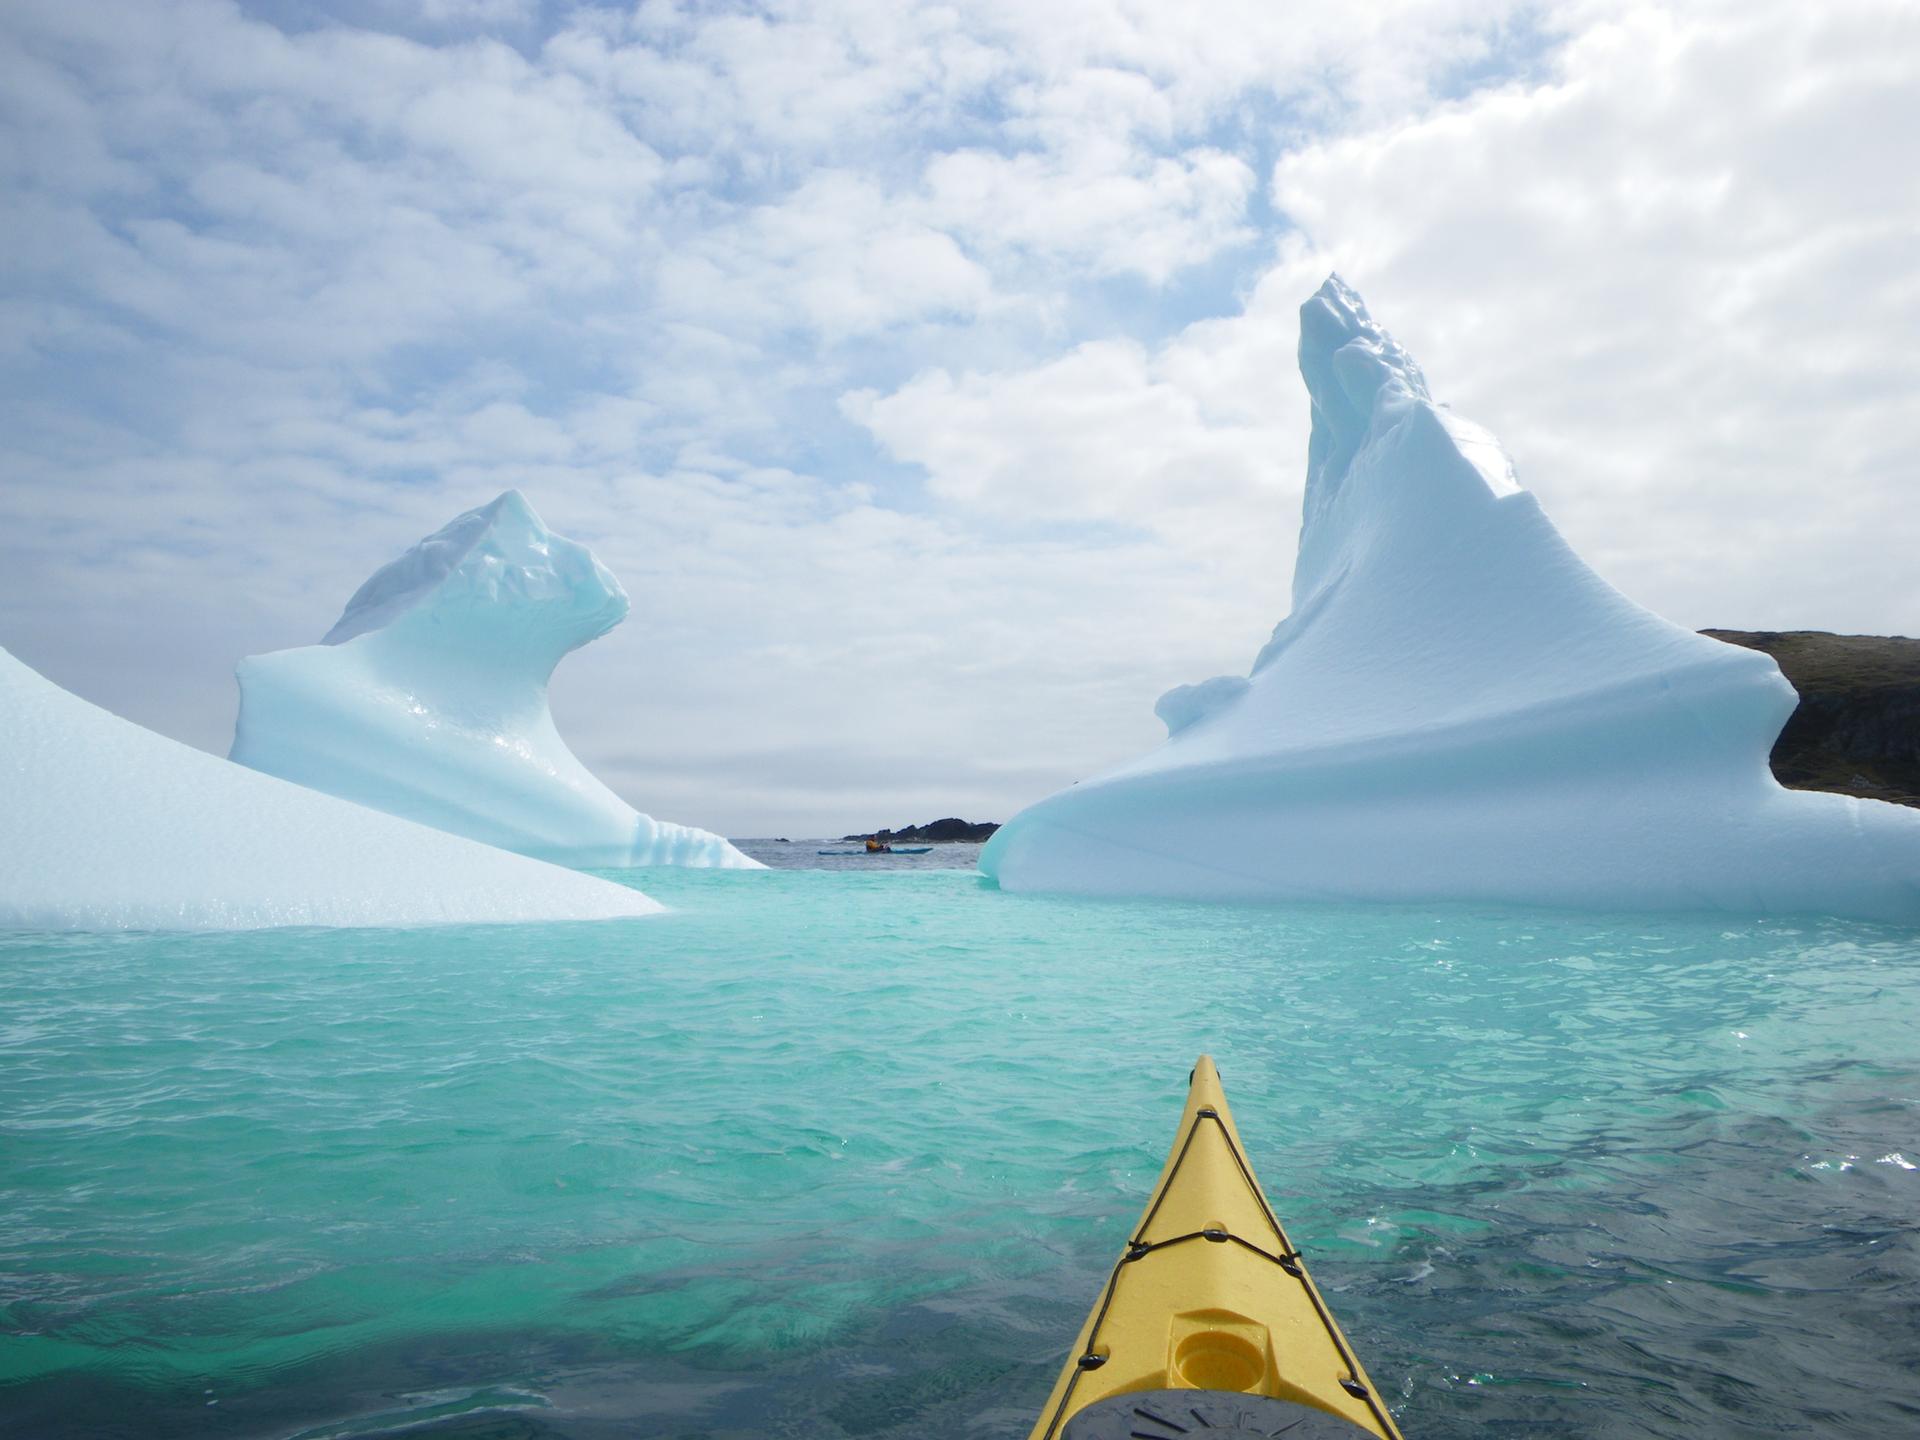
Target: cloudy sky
924	371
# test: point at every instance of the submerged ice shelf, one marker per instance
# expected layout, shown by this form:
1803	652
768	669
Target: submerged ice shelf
1458	708
429	699
110	827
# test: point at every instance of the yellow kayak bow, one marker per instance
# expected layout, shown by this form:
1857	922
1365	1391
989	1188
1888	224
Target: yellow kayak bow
1210	1322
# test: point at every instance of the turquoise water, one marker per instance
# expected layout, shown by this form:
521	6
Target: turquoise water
836	1154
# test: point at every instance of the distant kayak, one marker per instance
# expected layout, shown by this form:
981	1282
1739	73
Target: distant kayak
894	850
1209	1320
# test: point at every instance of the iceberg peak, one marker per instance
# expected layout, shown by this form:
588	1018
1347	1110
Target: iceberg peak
1458	708
1353	368
517	589
428	699
1371	411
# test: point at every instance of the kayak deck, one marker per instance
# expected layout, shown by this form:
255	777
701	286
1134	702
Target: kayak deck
1210	1309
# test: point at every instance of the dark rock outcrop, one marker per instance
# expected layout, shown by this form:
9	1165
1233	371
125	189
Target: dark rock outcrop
937	832
1857	728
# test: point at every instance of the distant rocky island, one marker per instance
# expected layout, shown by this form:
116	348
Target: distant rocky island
938	832
1857	728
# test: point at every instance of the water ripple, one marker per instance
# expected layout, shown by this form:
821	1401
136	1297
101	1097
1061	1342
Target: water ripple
846	1154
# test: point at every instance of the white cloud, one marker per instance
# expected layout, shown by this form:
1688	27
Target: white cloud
1099	434
1679	294
833	257
460	13
1151	216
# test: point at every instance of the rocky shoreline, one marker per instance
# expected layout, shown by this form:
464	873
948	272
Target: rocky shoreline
949	831
1857	728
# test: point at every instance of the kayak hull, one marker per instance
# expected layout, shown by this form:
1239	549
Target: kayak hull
1211	1298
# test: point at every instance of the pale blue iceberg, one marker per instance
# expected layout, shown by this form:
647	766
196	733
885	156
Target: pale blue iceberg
1457	708
106	826
429	699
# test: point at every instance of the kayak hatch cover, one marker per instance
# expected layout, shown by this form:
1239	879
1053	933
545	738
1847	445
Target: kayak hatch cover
1210	1321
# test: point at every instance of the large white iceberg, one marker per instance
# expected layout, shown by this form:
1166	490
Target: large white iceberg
429	699
106	826
1457	708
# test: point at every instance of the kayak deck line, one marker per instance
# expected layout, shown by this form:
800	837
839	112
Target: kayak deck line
1199	1316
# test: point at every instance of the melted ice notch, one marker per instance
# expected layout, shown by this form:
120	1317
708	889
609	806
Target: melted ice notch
1458	708
428	699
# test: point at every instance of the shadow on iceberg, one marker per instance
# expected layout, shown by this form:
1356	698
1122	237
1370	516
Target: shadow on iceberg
1458	708
429	699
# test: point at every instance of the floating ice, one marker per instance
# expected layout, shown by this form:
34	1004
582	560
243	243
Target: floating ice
106	826
429	698
1458	708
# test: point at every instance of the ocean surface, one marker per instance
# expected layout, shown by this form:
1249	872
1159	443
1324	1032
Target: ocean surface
847	1152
